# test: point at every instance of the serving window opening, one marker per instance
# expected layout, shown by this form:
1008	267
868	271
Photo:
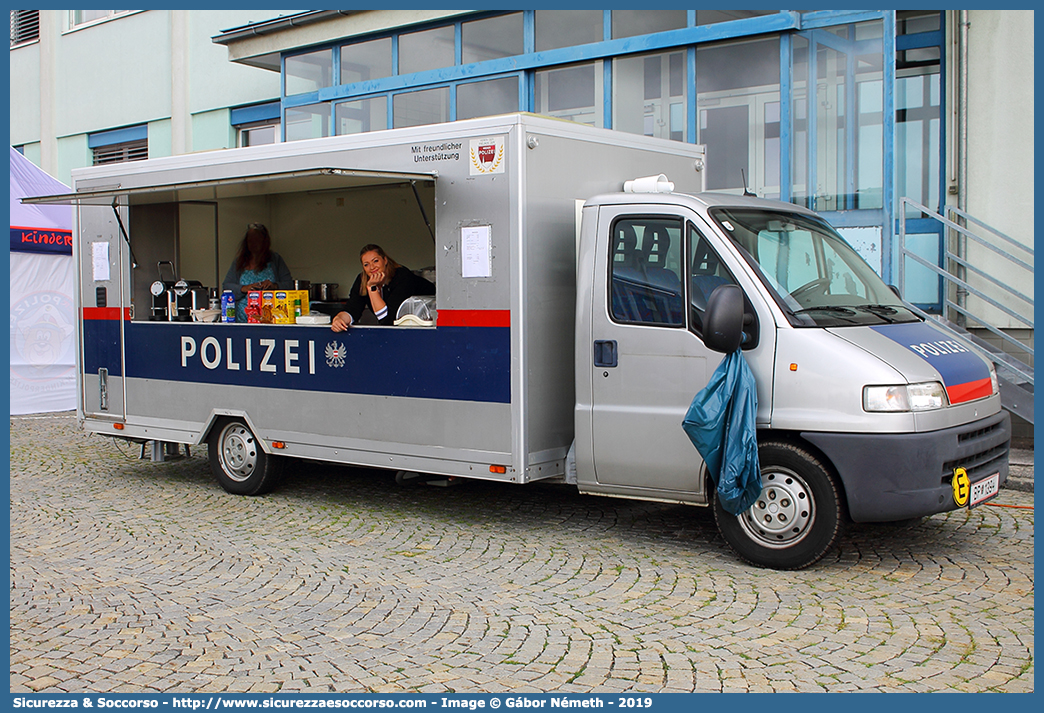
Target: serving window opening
184	239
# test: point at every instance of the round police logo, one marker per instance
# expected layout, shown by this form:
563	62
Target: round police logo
42	336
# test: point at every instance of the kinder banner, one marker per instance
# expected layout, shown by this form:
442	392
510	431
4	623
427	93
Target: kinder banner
43	356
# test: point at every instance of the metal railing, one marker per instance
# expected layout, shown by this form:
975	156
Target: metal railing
957	278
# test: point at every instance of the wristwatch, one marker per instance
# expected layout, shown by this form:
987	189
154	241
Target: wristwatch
373	288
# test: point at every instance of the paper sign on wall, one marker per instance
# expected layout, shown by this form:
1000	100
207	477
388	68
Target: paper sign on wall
475	251
100	261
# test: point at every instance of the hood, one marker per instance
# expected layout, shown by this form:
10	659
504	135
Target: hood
922	351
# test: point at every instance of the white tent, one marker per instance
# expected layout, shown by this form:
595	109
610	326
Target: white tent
43	325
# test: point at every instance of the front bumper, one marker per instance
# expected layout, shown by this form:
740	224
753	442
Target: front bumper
892	476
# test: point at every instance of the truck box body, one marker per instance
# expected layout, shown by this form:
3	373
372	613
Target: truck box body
490	384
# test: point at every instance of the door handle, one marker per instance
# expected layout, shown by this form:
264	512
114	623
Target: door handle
605	352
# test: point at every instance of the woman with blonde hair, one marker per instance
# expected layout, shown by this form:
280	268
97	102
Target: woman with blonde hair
381	287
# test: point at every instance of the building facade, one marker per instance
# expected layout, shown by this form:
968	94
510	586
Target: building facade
851	113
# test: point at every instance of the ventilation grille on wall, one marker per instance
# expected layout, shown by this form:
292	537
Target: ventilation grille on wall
25	26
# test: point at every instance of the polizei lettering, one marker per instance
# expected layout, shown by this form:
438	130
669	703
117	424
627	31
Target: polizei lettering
271	356
944	346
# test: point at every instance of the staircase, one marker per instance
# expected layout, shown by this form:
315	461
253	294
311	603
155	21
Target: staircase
1012	357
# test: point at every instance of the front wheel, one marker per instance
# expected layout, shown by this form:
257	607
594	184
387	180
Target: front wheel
239	463
796	519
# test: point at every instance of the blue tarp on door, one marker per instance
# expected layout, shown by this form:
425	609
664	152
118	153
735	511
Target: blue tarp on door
721	424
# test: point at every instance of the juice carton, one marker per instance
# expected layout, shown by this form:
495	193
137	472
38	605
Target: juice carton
267	301
282	310
253	307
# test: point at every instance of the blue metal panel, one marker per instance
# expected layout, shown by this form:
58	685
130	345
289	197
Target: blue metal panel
690	101
253	114
607	94
117	136
889	259
851	129
529	31
458	44
458	363
831	18
607	25
786	116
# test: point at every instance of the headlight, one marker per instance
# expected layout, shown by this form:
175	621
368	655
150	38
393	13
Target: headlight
926	396
993	380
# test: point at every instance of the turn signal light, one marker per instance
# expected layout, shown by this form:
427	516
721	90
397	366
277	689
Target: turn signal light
118	426
278	444
497	469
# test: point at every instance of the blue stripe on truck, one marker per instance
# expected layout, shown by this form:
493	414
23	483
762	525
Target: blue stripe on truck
458	363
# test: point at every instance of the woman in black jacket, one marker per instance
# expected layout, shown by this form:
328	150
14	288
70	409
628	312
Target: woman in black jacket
381	287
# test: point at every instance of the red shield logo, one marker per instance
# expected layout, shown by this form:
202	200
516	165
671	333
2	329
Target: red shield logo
487	153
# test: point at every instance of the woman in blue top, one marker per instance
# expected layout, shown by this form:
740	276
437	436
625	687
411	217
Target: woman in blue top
256	267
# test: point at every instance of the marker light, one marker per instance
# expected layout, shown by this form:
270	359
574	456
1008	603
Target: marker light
926	396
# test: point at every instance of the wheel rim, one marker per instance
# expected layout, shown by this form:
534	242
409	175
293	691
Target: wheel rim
783	514
238	452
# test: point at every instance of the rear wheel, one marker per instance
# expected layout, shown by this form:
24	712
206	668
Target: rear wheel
239	463
796	519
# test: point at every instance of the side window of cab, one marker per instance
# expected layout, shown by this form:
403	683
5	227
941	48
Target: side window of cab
706	273
645	271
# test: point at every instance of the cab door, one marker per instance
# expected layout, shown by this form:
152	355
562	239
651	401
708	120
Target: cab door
648	360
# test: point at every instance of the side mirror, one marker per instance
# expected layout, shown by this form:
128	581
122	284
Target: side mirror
723	320
895	289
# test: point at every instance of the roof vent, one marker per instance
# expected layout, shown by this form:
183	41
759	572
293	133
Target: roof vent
649	184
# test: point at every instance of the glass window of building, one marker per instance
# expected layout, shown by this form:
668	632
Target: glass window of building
82	17
713	17
737	104
364	61
649	95
257	134
308	122
841	165
555	29
308	72
629	23
356	117
574	93
491	38
428	106
917	126
909	22
496	96
428	49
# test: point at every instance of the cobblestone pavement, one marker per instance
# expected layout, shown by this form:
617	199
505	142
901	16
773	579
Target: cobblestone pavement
133	576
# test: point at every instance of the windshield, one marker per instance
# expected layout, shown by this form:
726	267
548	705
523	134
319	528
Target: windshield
816	276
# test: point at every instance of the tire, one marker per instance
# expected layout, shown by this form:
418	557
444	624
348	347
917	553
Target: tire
239	463
798	516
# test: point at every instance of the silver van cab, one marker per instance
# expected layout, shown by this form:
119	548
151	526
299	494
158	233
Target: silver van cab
864	408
